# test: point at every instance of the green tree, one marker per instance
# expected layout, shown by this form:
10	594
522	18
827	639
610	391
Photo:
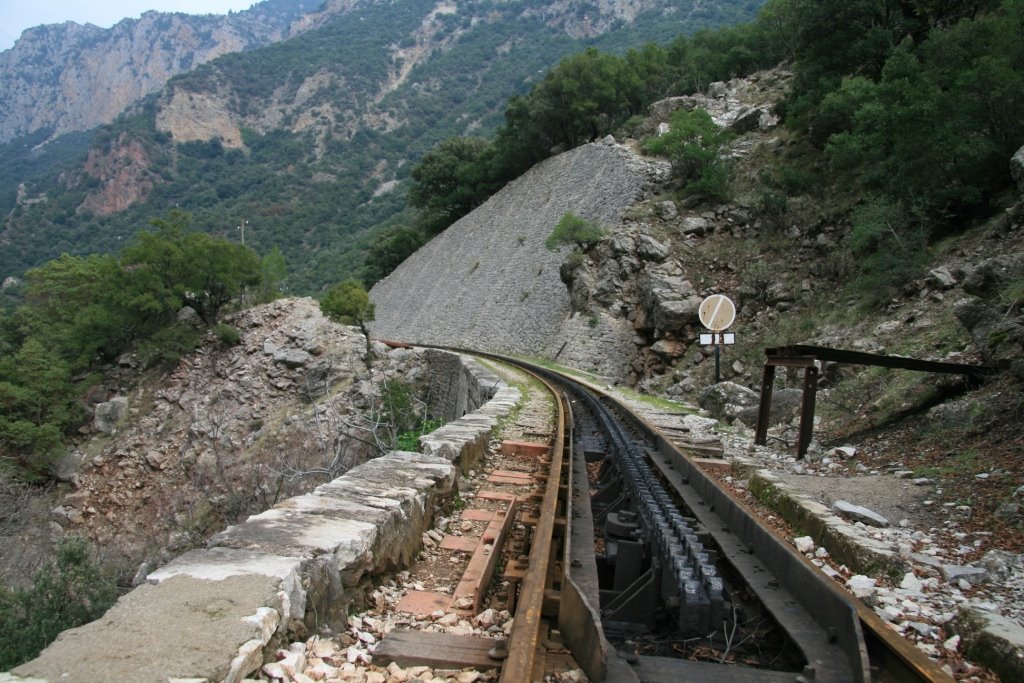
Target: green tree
78	305
38	406
174	267
388	250
273	271
935	130
348	303
450	181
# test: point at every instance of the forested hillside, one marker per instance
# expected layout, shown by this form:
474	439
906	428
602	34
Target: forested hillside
307	139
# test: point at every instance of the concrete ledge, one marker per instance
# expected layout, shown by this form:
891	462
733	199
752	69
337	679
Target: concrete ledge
182	627
845	542
992	640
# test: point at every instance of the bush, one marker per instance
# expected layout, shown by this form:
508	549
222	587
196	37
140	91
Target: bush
409	440
772	206
889	245
69	591
227	335
572	229
169	345
692	145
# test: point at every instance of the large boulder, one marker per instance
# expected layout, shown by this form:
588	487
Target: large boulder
998	338
108	415
670	301
727	400
785	406
989	276
992	640
1017	168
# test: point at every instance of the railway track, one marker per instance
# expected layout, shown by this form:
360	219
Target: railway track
683	563
652	572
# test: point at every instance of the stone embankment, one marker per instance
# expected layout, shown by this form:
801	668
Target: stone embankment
489	283
214	614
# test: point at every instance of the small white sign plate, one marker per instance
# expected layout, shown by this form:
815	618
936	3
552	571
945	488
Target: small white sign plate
717	312
714	338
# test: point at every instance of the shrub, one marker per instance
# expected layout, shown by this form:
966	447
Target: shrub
69	591
572	229
772	206
692	145
889	245
166	347
227	335
409	440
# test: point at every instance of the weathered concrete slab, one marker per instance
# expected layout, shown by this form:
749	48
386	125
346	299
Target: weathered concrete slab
463	441
182	627
859	513
502	403
845	542
219	564
992	640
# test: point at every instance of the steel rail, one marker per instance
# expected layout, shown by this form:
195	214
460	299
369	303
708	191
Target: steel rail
891	658
525	659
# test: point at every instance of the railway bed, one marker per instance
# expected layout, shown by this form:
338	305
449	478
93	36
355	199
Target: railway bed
651	572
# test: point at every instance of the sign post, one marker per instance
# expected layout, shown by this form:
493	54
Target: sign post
717	312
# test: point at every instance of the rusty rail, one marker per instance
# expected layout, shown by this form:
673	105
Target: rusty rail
879	653
525	660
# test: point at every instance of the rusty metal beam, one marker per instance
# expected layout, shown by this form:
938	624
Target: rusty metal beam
810	390
764	408
882	360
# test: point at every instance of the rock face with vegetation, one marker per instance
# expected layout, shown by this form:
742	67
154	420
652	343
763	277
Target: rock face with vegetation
488	282
69	77
229	431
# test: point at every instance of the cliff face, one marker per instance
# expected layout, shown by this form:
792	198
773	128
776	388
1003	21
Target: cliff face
68	77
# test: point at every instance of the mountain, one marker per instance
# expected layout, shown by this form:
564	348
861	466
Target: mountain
308	140
69	77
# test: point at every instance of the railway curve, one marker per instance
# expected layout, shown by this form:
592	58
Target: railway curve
654	572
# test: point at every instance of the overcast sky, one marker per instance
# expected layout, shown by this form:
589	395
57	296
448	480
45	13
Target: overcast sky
18	15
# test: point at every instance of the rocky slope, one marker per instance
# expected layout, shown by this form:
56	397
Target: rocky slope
171	458
68	77
628	307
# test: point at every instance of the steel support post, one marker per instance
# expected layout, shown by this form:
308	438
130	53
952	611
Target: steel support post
764	408
807	410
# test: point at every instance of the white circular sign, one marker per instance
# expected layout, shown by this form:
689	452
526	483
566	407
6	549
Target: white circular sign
717	312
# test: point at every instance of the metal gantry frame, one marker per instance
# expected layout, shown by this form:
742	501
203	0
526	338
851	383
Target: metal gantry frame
808	358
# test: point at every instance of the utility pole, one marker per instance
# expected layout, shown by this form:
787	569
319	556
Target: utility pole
242	228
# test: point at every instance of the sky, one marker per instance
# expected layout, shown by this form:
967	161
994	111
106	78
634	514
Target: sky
17	15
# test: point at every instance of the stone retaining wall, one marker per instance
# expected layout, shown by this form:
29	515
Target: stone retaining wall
213	614
489	283
458	385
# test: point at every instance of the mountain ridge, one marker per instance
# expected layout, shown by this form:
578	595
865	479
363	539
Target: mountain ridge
50	78
310	139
